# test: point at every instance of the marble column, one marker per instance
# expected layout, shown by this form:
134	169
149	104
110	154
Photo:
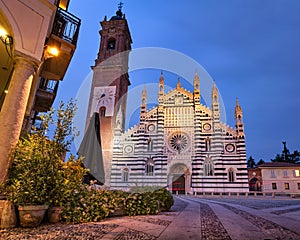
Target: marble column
13	109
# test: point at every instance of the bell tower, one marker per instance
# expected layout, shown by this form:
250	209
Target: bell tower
110	82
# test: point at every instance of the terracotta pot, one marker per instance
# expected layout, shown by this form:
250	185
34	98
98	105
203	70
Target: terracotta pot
32	215
54	214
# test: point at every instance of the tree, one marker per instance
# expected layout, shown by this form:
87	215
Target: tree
286	156
251	162
260	162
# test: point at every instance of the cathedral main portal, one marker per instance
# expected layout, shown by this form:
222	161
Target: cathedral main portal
179	179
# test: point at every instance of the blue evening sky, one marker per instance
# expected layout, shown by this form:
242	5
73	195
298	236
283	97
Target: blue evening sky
251	48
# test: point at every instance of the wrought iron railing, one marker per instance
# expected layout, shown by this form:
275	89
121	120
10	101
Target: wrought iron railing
66	26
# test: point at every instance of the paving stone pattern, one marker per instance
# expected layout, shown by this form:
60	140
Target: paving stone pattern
152	220
258	203
277	231
58	232
130	234
211	227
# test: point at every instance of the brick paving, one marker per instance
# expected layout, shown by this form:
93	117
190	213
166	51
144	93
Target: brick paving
190	218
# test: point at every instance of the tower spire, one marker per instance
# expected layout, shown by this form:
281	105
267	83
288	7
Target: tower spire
178	83
196	88
161	90
238	112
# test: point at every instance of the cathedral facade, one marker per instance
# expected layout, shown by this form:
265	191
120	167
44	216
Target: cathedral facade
180	144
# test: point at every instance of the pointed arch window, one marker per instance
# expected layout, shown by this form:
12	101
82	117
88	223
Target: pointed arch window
208	168
150	145
102	111
149	167
207	144
125	175
230	175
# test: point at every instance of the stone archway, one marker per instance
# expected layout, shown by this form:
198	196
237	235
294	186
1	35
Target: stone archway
179	179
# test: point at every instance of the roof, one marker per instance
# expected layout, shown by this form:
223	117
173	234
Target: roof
277	164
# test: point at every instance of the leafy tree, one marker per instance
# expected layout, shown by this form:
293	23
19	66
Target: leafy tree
251	162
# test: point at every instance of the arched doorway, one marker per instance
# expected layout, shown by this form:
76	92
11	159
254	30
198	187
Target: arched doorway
254	185
179	179
178	184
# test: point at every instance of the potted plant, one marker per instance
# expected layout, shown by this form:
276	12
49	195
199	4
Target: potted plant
27	186
37	174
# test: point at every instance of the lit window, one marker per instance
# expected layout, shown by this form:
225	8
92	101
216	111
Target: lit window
297	173
274	186
286	186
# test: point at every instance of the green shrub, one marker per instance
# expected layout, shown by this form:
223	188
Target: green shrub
165	198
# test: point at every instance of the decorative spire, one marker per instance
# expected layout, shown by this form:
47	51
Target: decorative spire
196	81
144	95
215	94
161	83
238	112
161	78
178	83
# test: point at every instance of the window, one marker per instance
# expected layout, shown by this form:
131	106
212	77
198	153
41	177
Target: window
208	167
298	186
125	174
230	175
274	186
297	173
285	174
150	167
207	144
102	111
150	145
286	186
111	44
273	174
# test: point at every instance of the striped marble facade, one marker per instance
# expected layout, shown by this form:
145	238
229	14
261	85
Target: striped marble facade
181	144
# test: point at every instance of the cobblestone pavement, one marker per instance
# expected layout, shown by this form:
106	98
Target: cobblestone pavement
190	218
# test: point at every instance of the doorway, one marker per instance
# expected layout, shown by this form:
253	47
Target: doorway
178	184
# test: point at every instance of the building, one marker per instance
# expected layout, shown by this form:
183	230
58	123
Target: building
278	177
180	144
38	40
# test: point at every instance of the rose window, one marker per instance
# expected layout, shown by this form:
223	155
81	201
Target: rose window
179	142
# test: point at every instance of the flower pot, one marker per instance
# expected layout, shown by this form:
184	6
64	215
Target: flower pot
32	215
54	214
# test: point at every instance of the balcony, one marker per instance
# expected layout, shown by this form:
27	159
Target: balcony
45	95
64	36
66	26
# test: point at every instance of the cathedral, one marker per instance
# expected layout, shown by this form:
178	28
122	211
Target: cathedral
180	144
